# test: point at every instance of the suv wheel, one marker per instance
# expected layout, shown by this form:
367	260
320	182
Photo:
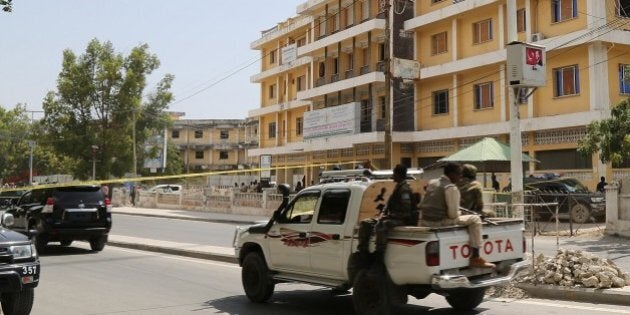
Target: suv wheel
98	243
580	213
17	303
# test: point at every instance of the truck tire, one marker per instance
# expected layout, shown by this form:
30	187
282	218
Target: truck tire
369	295
98	243
580	213
466	300
255	277
17	303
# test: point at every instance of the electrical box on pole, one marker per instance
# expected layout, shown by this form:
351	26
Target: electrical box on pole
527	65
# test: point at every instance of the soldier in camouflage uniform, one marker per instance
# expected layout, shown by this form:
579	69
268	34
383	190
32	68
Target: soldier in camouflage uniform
472	192
398	211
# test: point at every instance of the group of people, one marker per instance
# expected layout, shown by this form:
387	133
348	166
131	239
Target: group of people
254	186
444	197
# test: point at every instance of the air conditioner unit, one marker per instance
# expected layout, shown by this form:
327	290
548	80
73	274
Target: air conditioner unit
537	37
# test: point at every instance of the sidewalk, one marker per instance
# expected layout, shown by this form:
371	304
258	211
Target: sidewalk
614	248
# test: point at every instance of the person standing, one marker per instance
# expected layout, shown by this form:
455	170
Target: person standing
440	207
602	184
495	183
398	211
471	191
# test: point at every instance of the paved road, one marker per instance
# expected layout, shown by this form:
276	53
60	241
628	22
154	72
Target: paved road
122	281
174	230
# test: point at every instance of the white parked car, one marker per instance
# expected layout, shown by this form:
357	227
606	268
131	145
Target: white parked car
166	189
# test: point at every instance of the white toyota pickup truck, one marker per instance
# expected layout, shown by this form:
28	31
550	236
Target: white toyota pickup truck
313	238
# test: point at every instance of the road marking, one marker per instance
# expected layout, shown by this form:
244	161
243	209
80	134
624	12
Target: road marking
577	307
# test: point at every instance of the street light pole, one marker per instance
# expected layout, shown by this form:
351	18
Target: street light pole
31	145
94	148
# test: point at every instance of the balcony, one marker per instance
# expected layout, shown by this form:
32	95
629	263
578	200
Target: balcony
322	87
364	69
276	108
333	39
309	6
257	78
281	29
446	13
349	73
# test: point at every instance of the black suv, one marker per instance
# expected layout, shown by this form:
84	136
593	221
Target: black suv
64	214
19	269
575	201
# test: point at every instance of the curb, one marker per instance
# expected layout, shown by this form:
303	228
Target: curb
175	251
590	295
186	218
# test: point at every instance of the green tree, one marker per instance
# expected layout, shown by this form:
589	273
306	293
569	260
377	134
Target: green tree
6	5
99	102
610	137
14	136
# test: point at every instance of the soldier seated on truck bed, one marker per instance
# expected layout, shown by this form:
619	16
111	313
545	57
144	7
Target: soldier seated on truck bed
440	207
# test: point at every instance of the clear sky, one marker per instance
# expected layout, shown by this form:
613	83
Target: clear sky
198	41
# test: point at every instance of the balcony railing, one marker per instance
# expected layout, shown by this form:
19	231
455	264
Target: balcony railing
349	73
380	66
320	81
365	69
334	77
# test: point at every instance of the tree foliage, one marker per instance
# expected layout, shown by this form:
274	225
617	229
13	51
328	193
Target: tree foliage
6	5
99	102
610	137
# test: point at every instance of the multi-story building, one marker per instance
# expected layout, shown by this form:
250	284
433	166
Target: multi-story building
324	95
215	144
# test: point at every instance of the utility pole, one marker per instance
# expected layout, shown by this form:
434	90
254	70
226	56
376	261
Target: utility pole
31	145
94	148
135	163
516	145
388	85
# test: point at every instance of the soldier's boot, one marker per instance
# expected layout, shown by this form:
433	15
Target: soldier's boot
378	266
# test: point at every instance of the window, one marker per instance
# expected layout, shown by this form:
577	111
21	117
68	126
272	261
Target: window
272	130
322	69
440	102
566	81
436	1
272	91
175	134
301	42
198	134
225	134
301	210
333	207
562	160
438	43
623	8
349	15
484	95
284	129
301	83
624	79
350	61
521	19
272	56
562	10
335	65
199	155
381	52
299	126
365	9
482	31
223	155
381	101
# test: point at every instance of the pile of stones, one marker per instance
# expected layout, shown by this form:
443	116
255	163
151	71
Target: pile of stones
574	268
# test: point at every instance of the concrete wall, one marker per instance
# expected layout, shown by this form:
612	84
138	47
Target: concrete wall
618	208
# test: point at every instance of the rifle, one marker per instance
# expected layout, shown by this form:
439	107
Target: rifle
476	213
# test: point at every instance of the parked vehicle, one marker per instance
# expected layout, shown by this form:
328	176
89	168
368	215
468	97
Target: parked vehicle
575	201
166	189
19	269
312	239
9	198
64	214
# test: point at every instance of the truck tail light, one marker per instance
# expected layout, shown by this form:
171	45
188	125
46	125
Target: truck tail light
50	203
433	253
108	204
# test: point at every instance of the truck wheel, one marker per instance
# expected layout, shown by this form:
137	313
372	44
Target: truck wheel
255	278
17	303
369	295
580	213
466	300
98	243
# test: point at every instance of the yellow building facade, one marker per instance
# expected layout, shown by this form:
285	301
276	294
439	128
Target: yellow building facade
324	93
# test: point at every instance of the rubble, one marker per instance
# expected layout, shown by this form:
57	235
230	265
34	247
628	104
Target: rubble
574	268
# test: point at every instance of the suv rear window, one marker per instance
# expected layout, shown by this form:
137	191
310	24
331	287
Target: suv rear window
74	194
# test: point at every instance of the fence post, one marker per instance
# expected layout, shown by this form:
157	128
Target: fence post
569	202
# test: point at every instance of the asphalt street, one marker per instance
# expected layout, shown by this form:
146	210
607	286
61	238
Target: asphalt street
123	281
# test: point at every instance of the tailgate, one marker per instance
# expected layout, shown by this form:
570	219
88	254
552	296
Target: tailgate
502	242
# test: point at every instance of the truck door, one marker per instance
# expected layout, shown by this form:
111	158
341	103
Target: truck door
289	237
327	240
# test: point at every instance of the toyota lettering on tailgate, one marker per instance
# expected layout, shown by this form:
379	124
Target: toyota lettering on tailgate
488	248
